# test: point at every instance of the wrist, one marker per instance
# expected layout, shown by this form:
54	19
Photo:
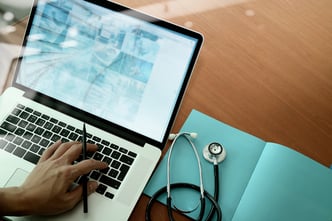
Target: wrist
13	202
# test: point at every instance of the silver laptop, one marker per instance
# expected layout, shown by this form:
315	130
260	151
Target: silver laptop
118	70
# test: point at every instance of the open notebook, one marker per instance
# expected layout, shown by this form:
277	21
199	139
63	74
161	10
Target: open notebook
259	180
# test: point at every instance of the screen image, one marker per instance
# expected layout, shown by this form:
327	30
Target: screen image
117	67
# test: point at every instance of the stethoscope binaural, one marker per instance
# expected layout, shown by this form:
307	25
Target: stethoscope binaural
214	153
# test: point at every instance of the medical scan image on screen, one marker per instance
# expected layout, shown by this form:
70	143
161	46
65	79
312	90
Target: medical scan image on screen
112	65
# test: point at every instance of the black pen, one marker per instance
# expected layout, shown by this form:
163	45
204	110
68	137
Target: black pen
84	177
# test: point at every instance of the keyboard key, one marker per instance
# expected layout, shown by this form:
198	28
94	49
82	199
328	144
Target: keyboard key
45	117
107	160
31	157
2	132
10	137
31	127
32	118
48	125
113	173
71	128
10	147
16	112
41	151
100	147
114	146
121	176
62	124
39	131
89	154
109	182
55	137
97	156
123	150
64	132
3	143
56	129
34	148
79	131
19	152
107	151
115	155
37	113
132	154
27	135
18	140
24	115
28	109
13	119
44	143
47	134
124	168
115	164
36	139
109	195
73	136
90	141
94	175
26	144
19	131
40	122
126	159
105	171
21	106
23	123
106	143
8	126
53	120
123	172
101	189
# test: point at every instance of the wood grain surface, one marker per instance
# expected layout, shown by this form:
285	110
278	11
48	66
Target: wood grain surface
265	68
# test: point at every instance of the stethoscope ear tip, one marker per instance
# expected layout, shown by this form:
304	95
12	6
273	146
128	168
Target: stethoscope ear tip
193	135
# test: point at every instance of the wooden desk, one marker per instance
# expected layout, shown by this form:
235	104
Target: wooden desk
265	68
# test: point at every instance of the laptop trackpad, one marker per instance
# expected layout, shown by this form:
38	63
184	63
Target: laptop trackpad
126	197
17	178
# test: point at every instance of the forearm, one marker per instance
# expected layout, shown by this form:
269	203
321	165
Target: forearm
12	202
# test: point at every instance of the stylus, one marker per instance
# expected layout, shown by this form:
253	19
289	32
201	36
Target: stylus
84	177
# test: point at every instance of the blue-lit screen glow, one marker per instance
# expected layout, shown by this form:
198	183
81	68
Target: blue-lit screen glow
117	67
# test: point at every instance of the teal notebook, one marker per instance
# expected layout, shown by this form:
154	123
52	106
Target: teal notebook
258	180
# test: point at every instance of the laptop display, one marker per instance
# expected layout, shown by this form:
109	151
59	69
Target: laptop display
115	64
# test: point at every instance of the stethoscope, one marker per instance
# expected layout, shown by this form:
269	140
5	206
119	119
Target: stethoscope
214	153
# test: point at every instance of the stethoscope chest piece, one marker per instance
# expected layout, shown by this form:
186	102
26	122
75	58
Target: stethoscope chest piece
214	152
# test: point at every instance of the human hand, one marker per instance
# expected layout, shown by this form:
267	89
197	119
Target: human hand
47	189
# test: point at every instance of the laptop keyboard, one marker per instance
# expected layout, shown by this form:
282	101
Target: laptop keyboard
27	133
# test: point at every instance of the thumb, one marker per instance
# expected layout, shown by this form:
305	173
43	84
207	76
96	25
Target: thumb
92	186
77	193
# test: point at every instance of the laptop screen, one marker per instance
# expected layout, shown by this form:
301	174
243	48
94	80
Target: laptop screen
118	65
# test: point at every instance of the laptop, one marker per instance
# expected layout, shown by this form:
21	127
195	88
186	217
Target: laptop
121	72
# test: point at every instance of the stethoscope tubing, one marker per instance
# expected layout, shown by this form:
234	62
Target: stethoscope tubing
167	189
215	207
185	134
